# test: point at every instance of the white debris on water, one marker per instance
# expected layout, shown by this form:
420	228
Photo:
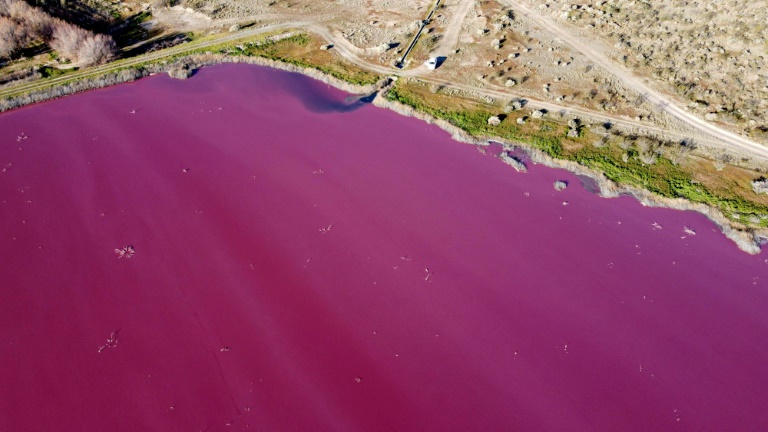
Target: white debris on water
126	252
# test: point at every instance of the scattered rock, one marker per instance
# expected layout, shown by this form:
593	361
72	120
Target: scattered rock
537	114
494	121
234	28
513	161
561	185
521	120
182	71
760	185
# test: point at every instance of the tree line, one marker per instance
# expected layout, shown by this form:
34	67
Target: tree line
23	26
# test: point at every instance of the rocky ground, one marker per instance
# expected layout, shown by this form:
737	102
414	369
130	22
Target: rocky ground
712	54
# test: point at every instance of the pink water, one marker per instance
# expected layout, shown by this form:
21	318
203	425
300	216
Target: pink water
300	265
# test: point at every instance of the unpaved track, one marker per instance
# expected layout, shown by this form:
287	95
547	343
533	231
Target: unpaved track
716	137
341	48
451	37
662	102
157	55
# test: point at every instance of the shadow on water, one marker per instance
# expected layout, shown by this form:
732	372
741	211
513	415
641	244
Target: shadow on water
317	99
589	184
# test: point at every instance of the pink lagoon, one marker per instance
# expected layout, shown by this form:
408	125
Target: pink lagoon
245	250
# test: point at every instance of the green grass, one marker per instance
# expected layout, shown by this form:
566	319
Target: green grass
475	122
662	178
278	51
52	72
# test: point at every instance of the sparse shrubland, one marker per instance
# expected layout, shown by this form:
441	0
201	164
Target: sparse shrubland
713	54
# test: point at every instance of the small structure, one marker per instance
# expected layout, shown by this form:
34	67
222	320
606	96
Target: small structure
431	63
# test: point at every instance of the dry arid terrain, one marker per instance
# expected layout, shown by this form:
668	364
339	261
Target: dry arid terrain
711	54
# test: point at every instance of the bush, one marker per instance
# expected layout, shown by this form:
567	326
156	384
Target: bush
96	49
22	24
13	37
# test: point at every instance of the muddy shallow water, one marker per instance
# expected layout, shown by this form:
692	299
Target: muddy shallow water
246	250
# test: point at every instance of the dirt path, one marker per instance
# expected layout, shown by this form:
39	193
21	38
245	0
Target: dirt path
342	49
714	136
133	61
453	31
420	74
662	102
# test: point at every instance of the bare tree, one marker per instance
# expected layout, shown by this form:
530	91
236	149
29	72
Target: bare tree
13	37
18	10
39	23
67	39
96	49
79	45
5	7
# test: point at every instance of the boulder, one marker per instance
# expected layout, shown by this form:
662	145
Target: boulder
513	161
760	185
182	71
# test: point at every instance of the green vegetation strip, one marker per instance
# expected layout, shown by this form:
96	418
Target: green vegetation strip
275	50
663	177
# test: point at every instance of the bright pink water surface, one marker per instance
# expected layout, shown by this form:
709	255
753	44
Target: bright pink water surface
301	266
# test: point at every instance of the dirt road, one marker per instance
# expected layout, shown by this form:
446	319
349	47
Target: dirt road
422	74
156	55
451	37
662	102
715	136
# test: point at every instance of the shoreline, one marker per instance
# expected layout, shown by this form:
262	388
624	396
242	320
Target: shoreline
746	238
